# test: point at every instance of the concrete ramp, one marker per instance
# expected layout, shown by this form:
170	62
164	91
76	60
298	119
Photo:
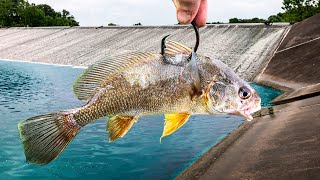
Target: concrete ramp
295	66
245	48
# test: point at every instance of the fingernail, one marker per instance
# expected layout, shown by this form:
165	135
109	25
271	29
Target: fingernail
184	17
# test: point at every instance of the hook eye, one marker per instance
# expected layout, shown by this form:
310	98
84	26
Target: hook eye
196	29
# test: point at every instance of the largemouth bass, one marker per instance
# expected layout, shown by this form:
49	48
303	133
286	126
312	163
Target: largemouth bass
127	86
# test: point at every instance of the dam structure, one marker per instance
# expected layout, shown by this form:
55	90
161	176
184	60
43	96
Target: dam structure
282	142
244	48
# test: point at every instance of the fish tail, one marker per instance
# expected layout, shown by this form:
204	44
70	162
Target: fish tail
44	137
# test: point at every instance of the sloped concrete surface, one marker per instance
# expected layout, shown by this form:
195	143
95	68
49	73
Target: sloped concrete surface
285	145
302	32
295	67
245	48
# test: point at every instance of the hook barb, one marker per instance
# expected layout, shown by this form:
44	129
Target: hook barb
163	44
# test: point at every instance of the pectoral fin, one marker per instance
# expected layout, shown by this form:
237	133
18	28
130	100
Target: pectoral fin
118	126
173	122
206	92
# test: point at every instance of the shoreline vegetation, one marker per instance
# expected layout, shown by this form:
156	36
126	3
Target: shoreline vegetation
20	13
294	11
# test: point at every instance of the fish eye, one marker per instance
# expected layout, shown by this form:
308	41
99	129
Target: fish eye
244	93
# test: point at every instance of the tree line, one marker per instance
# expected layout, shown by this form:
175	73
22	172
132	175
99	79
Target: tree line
17	13
20	13
294	11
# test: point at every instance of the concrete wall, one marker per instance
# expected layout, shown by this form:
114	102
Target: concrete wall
245	48
295	67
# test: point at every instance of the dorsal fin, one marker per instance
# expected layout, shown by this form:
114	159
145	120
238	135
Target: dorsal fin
176	53
98	74
173	48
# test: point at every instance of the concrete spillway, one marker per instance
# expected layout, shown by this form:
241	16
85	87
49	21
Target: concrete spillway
245	48
284	143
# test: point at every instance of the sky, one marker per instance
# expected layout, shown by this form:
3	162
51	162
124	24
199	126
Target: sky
157	12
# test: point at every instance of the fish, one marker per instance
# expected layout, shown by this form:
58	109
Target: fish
124	87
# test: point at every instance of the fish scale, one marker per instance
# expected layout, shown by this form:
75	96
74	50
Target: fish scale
125	98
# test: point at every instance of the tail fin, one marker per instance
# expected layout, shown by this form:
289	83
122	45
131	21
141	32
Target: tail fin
45	137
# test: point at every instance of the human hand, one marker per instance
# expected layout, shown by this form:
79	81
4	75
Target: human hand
189	10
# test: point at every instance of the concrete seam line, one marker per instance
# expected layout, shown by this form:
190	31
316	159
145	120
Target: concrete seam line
299	44
284	35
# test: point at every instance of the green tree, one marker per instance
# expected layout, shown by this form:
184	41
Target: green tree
48	11
275	18
34	17
21	13
112	24
65	13
11	12
294	11
253	20
234	20
297	10
5	13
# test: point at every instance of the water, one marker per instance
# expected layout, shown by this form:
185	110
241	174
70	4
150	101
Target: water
29	89
266	93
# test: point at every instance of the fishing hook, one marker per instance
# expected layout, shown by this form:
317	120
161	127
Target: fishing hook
197	35
163	44
163	41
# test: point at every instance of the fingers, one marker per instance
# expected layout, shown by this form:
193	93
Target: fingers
186	10
201	17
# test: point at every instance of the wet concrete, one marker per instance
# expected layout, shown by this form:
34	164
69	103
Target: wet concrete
245	48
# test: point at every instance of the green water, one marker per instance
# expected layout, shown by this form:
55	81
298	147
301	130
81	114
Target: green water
28	89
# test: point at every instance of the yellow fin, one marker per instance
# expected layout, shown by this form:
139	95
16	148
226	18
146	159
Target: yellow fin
173	122
118	126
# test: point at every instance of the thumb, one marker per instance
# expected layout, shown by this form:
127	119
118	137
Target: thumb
201	17
186	10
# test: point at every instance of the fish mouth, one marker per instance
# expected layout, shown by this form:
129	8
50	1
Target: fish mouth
245	113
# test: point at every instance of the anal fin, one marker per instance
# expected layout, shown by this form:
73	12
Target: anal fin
119	125
173	122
